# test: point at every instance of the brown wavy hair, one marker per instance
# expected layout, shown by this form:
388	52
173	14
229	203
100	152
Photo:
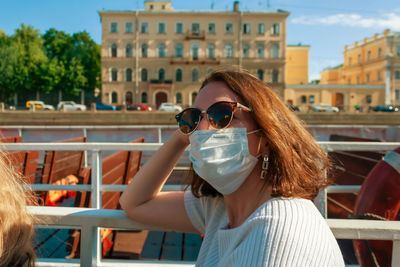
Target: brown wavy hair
16	225
297	165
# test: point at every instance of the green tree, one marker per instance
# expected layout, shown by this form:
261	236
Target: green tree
27	40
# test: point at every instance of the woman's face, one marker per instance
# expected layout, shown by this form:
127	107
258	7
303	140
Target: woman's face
219	91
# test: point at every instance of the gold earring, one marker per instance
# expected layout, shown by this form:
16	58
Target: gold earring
264	166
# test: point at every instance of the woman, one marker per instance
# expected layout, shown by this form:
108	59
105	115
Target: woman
256	170
16	225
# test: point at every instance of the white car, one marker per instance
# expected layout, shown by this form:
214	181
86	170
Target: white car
325	108
70	105
169	107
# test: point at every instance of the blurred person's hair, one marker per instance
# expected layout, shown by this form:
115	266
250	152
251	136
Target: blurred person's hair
16	224
297	164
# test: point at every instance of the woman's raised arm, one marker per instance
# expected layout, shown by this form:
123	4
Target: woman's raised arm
142	200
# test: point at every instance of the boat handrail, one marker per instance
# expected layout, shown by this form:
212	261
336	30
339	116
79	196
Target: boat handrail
89	220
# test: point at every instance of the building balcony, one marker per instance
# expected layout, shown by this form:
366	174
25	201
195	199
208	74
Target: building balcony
195	35
195	60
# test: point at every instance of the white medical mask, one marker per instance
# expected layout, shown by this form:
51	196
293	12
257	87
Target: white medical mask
221	157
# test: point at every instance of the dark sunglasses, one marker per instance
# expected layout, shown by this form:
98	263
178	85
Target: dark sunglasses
219	115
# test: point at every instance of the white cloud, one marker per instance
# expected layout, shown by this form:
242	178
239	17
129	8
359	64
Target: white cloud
389	20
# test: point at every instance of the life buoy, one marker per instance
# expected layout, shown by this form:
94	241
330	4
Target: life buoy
54	196
379	198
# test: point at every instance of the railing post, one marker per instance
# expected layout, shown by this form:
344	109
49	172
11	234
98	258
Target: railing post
96	179
396	253
321	203
159	135
90	246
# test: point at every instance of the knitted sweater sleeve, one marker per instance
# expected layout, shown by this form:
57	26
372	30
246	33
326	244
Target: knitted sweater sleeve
283	236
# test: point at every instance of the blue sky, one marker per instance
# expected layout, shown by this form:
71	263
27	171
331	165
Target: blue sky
327	26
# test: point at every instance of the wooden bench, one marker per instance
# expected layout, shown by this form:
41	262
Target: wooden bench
117	169
60	164
25	162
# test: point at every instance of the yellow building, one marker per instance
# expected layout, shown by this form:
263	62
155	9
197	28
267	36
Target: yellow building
160	54
369	76
296	67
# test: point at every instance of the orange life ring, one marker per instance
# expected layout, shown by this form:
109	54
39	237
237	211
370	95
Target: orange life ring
379	198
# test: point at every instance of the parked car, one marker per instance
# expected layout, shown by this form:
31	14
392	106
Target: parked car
139	106
102	106
39	105
386	108
325	108
70	105
169	107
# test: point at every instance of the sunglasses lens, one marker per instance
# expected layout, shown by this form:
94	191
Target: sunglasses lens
220	114
189	119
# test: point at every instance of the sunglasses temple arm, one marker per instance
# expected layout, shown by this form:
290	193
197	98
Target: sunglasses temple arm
243	107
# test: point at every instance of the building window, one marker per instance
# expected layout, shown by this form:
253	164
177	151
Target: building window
229	28
260	74
275	75
178	75
369	55
275	29
379	76
367	77
303	99
358	59
349	61
144	75
114	50
114	27
114	74
195	75
128	27
275	51
397	50
211	27
128	75
196	28
128	50
144	27
369	99
246	28
211	51
260	51
179	27
349	81
311	99
358	79
161	27
144	97
397	74
161	50
228	51
161	74
114	97
144	50
194	50
178	50
397	94
379	52
260	28
178	98
246	51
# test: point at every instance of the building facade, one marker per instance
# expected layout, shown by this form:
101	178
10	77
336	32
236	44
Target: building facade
296	67
161	55
369	76
374	61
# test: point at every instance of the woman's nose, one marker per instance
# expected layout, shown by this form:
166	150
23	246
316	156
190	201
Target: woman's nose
204	124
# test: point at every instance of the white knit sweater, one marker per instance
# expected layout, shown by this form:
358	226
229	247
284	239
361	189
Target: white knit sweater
281	232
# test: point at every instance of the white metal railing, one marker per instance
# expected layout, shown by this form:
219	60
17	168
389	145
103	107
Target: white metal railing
90	247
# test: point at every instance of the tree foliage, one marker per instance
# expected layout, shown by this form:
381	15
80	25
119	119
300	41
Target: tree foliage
52	62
